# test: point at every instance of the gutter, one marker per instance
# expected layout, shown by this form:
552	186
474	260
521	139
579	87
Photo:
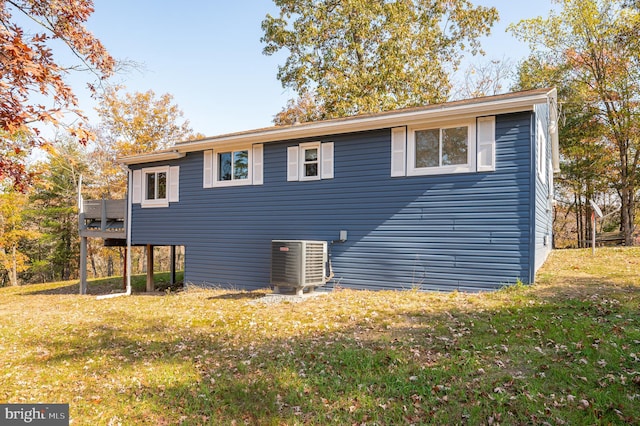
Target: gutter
491	105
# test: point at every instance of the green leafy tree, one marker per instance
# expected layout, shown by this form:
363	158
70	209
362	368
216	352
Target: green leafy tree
359	56
593	45
54	209
584	150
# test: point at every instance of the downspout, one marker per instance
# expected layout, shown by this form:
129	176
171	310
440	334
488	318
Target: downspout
128	232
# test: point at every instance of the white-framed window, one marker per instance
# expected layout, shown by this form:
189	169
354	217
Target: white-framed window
156	186
310	161
441	148
233	166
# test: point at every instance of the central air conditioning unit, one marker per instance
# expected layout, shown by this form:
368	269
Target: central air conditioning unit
298	264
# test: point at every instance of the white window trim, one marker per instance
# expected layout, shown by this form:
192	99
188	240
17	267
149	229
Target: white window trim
158	202
301	160
233	182
255	160
470	166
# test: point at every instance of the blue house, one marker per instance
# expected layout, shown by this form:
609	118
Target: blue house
455	196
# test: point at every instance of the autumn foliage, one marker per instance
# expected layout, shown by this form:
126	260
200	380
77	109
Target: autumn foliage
29	72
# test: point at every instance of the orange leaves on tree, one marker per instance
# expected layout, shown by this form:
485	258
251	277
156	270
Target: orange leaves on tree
28	68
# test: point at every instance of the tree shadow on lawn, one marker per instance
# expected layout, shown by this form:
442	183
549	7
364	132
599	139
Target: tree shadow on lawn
456	366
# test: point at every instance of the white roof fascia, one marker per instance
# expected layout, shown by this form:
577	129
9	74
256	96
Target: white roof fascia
447	111
152	157
357	124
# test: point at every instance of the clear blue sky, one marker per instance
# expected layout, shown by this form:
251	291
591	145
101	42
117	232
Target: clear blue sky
208	55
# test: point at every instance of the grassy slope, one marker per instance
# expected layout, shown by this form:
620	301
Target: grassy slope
565	351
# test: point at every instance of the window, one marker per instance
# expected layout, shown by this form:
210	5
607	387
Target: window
451	147
441	147
310	158
310	161
156	186
441	150
233	166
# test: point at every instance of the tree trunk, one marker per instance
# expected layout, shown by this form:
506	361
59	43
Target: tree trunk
13	272
66	267
110	266
627	215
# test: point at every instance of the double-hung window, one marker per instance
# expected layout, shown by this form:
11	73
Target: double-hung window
156	186
310	161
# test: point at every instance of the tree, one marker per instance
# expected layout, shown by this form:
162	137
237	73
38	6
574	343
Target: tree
593	44
13	232
53	207
301	110
13	161
134	124
369	56
583	148
29	71
140	122
485	79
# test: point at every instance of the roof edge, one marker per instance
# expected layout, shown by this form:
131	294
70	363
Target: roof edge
152	157
498	104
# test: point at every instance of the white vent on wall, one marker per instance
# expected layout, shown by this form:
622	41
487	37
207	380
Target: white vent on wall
298	264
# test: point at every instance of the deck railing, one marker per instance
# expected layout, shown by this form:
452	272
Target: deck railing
103	218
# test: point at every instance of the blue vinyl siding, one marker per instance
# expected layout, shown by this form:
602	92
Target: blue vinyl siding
465	231
543	208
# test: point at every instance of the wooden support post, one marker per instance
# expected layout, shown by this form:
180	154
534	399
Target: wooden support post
172	279
150	283
83	265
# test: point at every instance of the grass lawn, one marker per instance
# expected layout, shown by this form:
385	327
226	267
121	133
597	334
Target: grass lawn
565	351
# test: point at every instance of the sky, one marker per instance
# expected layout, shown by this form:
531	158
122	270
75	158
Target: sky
208	55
